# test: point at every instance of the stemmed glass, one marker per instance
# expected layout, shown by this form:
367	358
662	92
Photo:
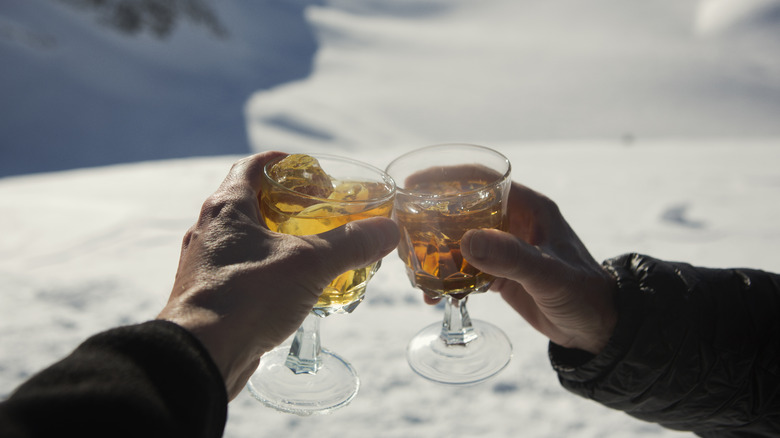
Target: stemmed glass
442	192
301	198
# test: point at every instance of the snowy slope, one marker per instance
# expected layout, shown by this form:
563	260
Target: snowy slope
502	71
110	256
77	92
308	74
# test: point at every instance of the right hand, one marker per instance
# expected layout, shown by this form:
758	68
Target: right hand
545	272
243	289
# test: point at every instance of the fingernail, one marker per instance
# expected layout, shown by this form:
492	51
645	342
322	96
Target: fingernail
478	247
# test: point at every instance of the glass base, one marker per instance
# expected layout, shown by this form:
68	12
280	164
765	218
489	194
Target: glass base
459	364
276	386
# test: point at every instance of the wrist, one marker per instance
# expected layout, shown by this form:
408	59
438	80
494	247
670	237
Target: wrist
603	315
607	345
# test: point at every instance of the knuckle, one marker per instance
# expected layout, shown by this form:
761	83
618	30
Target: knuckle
213	206
548	205
189	235
219	206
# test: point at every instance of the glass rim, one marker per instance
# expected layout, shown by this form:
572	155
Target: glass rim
499	180
386	178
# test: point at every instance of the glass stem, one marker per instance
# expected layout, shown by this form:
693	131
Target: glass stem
456	328
304	355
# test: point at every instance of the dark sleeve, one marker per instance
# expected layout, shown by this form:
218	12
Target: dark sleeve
148	380
694	349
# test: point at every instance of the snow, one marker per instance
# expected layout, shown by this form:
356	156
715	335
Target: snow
652	125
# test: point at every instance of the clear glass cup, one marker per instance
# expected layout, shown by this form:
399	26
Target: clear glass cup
303	378
442	191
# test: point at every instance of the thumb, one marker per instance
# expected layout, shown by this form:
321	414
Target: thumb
360	243
504	255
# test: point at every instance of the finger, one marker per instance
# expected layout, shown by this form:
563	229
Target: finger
430	300
524	272
504	255
529	212
250	169
523	303
358	244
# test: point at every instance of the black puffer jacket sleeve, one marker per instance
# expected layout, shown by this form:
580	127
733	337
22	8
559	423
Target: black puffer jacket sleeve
149	380
694	349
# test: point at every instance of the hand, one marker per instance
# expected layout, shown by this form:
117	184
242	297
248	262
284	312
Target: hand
545	272
242	289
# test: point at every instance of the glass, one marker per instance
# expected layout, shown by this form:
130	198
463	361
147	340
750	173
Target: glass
442	192
303	378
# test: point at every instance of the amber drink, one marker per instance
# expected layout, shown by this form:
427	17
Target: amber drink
304	195
442	192
301	198
437	206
